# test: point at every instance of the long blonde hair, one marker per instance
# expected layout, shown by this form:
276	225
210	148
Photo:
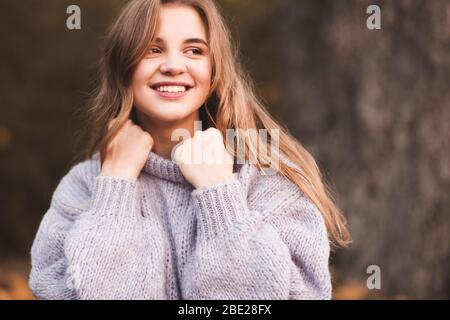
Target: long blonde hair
231	104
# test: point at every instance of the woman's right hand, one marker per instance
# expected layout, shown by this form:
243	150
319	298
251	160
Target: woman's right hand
127	152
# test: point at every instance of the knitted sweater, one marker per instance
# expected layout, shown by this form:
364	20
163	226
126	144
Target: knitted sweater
157	237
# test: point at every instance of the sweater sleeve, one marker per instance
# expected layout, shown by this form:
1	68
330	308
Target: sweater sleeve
249	254
93	255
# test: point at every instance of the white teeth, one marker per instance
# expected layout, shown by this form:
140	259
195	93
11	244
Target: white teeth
171	88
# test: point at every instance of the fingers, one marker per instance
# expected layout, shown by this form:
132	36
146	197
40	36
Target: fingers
182	152
211	134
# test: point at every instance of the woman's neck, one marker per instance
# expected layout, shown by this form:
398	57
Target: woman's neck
161	132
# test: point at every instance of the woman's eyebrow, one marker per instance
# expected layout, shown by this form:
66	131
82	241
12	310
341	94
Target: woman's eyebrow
189	40
195	40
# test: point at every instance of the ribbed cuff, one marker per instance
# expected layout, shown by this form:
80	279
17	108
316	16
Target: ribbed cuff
221	208
115	197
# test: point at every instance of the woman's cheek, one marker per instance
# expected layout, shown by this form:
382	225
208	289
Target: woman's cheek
143	72
200	70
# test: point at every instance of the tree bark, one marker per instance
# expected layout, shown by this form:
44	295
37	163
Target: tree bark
373	106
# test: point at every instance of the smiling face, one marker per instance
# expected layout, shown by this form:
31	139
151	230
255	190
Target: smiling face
179	54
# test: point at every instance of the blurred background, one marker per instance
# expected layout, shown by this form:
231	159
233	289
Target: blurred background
372	106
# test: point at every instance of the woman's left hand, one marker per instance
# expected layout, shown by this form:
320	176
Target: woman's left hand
203	158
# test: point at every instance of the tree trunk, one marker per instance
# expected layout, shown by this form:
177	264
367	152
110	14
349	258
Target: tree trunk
373	106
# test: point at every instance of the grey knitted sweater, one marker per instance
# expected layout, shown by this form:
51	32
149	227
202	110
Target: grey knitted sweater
157	237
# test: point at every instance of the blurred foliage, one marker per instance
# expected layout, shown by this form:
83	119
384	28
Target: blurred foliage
14	280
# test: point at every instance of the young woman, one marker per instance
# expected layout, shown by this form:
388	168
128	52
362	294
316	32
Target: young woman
138	219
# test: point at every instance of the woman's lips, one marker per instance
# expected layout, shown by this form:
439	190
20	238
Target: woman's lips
171	95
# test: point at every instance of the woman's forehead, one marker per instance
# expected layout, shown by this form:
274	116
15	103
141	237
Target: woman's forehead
180	21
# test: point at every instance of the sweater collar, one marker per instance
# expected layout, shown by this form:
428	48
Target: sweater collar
168	169
163	168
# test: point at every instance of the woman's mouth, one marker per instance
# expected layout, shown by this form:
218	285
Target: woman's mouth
171	92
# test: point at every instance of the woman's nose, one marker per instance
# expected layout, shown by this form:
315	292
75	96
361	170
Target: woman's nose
173	65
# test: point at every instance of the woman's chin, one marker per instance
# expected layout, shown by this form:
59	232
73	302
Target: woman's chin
171	113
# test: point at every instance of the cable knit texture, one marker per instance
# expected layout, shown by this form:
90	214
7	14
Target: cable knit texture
157	237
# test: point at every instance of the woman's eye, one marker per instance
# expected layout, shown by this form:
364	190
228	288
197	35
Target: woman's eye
196	51
154	50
